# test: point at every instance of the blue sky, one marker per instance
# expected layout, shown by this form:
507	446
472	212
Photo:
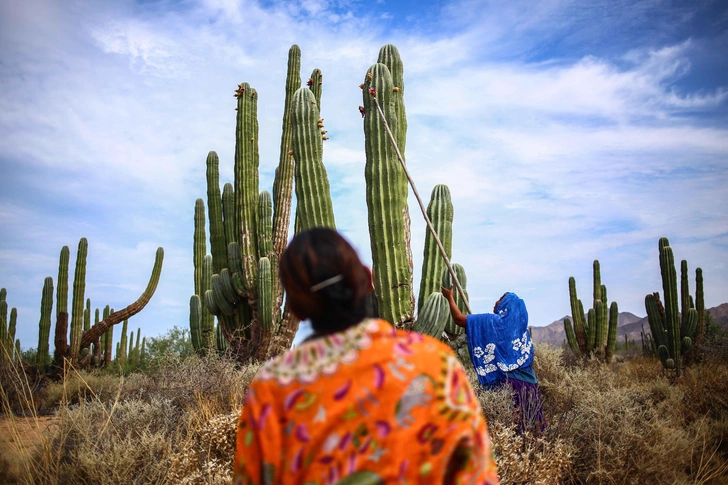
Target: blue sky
567	131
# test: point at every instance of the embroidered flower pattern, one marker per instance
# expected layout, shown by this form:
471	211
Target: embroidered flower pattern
523	344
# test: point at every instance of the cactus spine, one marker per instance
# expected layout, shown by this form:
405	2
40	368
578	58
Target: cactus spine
79	288
431	320
312	184
440	212
44	326
386	194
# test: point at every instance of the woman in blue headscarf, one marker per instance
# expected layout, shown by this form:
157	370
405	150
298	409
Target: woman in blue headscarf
501	351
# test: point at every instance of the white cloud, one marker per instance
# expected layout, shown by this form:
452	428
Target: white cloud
550	164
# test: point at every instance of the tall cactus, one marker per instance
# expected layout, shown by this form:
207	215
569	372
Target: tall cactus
43	357
121	354
699	306
265	306
246	182
218	247
312	183
265	224
109	340
440	212
12	323
597	334
87	316
62	288
386	194
315	85
389	56
673	335
79	288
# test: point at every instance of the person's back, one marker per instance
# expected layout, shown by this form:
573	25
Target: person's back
357	400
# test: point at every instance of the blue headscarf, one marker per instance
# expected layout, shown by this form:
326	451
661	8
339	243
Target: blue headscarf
499	342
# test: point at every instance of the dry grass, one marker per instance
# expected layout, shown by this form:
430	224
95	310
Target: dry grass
623	424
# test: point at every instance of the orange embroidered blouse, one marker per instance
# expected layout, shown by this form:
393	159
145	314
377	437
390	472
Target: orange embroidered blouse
368	405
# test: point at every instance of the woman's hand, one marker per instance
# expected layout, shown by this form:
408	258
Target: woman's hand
446	292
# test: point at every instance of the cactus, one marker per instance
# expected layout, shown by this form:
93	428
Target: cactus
79	288
699	306
265	306
315	85
265	224
87	316
228	212
44	326
451	328
246	182
11	330
432	318
386	195
3	325
598	333
207	324
673	331
218	246
109	339
143	352
440	212
312	183
121	354
195	321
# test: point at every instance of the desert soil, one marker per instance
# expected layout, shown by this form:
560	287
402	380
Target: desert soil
20	436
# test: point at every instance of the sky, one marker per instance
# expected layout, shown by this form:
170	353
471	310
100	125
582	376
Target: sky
567	131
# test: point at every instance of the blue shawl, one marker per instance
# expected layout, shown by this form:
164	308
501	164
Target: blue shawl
499	342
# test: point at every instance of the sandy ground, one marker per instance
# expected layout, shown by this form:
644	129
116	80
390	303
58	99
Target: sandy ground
20	436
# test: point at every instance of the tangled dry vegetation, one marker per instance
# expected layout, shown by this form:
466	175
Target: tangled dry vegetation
624	424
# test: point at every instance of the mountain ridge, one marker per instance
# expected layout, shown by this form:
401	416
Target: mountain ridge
628	324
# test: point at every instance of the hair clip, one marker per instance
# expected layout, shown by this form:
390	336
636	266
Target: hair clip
325	283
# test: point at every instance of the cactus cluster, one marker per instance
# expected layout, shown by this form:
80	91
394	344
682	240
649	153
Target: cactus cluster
597	333
240	284
674	330
9	346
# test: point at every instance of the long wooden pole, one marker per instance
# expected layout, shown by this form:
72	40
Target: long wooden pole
422	206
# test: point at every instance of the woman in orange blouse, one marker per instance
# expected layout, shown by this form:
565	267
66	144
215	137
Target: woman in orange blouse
357	402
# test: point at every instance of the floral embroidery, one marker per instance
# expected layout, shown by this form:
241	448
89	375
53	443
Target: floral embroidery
352	405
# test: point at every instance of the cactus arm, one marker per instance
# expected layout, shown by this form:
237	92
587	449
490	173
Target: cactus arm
612	337
44	325
601	329
684	292
79	287
571	337
597	284
283	182
432	318
447	281
131	310
577	313
699	305
199	248
265	224
87	315
195	322
312	184
669	288
62	288
386	196
108	345
315	85
246	183
228	211
440	212
218	246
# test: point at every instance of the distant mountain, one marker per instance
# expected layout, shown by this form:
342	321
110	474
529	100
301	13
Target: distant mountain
628	324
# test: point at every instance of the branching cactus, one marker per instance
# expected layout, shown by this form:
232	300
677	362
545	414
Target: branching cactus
597	334
673	331
440	212
386	194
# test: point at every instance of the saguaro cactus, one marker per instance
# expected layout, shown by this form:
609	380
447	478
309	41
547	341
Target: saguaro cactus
386	193
451	328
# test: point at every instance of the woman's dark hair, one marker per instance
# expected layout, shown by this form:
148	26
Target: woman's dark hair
325	280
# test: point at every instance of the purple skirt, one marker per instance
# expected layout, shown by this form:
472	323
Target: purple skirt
529	405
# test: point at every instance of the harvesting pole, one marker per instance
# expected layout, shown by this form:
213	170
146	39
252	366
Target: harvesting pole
373	93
